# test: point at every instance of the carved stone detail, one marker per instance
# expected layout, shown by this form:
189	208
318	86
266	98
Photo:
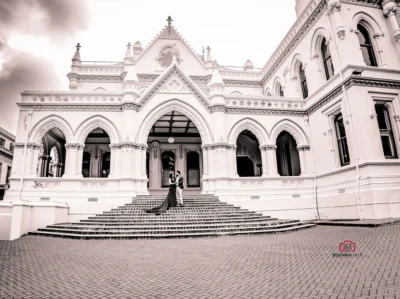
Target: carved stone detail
45	184
93	185
74	146
218	145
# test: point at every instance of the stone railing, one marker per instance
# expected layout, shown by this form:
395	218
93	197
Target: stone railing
41	183
264	102
72	97
100	70
235	75
298	182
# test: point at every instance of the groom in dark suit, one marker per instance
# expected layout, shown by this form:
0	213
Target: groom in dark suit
179	188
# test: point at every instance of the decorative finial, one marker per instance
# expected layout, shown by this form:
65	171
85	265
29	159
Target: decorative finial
78	46
129	45
169	20
208	49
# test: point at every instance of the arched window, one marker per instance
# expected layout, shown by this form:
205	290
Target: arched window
303	81
385	129
96	159
51	162
248	155
327	59
367	48
287	155
342	140
279	90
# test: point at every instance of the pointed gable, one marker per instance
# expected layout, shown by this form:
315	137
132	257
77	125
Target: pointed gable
174	80
148	60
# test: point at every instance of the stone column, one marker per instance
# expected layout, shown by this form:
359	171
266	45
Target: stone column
333	153
80	149
380	52
201	170
390	10
264	161
397	122
334	10
271	160
234	162
113	159
211	161
296	86
143	149
29	157
35	160
71	158
303	162
205	162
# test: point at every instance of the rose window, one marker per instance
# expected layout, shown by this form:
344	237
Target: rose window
165	58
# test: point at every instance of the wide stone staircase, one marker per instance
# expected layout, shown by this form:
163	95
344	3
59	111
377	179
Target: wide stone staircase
202	215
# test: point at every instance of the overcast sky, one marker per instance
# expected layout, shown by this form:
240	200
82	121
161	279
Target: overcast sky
38	37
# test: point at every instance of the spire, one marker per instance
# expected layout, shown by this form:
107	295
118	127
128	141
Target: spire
216	80
128	55
131	76
76	60
137	48
248	65
209	62
169	20
209	58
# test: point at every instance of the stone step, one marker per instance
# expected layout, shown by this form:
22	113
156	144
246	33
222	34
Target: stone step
169	229
172	235
171	226
147	216
174	221
203	215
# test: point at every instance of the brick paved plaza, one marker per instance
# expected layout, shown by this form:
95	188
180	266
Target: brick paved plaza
294	265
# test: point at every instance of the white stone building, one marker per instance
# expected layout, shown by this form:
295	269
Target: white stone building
6	156
313	134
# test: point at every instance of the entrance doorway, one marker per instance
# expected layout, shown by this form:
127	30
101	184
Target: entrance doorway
174	144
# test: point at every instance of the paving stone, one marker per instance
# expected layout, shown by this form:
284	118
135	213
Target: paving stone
296	265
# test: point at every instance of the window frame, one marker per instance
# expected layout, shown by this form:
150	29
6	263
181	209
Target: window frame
370	47
389	131
341	141
327	61
303	81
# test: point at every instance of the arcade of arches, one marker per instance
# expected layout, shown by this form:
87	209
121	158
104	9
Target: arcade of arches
174	143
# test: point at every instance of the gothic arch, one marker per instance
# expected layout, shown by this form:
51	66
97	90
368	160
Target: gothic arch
294	66
292	128
268	92
276	81
248	124
169	106
316	40
94	122
100	89
366	20
46	124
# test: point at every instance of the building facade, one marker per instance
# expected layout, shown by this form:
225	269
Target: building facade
314	134
6	156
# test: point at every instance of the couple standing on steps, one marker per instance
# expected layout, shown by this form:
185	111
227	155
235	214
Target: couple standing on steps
174	194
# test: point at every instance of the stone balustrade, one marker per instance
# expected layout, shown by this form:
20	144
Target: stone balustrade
72	98
264	102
